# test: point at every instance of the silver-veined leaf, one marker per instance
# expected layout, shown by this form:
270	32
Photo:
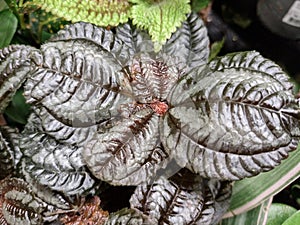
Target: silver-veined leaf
128	217
136	40
10	153
18	203
233	120
59	167
105	39
250	192
129	153
14	69
76	81
67	133
190	43
153	78
185	198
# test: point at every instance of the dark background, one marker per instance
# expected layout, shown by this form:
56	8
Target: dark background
243	29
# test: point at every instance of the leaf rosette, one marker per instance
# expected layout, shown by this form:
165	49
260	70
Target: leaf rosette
106	106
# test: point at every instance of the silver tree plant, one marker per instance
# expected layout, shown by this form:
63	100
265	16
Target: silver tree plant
107	108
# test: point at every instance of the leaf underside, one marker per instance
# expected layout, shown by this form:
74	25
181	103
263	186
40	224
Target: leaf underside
234	119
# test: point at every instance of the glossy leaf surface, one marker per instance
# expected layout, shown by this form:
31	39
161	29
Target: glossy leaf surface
250	192
129	153
185	199
14	68
128	217
234	119
190	44
107	106
10	153
78	84
18	204
278	213
59	167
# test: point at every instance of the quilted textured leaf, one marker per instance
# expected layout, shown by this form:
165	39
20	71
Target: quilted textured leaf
57	166
155	17
136	40
99	12
233	122
64	133
18	204
14	68
128	217
53	199
105	39
190	43
184	199
89	213
9	151
129	153
152	79
77	82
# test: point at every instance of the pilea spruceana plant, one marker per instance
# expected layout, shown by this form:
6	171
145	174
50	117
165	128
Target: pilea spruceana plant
107	108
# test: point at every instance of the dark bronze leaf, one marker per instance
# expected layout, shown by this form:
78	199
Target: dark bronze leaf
153	78
233	122
89	213
18	204
136	40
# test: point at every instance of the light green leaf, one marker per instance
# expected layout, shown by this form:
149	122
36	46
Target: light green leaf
278	213
98	12
8	27
293	220
256	216
216	48
249	192
160	18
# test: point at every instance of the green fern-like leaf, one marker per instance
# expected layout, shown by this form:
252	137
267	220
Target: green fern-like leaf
99	12
159	17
